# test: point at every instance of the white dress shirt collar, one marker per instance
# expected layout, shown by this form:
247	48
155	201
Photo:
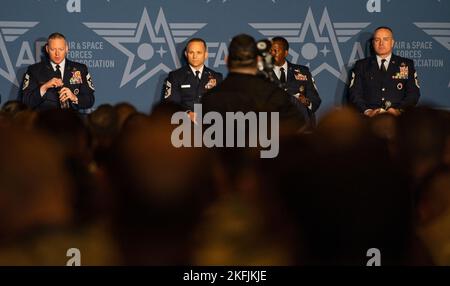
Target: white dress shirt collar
277	70
386	64
197	69
62	65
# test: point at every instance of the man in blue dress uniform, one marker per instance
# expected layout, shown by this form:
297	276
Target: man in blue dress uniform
384	82
296	80
186	85
57	82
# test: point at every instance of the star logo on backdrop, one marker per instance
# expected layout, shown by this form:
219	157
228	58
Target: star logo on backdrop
326	35
9	32
140	41
439	31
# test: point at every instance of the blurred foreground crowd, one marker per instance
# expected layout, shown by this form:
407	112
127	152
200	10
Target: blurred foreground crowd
112	185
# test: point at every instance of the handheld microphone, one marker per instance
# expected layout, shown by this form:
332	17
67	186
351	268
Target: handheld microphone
65	104
386	105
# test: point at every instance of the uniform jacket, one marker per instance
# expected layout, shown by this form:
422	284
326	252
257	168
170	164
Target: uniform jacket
76	78
299	80
371	88
184	89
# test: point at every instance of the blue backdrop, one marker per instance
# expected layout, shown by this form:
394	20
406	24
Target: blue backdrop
130	46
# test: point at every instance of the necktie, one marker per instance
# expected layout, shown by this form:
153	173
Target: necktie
58	74
383	67
282	76
197	75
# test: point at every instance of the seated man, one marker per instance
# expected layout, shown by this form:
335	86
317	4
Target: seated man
386	82
186	85
295	79
57	82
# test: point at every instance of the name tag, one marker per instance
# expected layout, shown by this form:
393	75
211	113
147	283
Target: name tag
185	86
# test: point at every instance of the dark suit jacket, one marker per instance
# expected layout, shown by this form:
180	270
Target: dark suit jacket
244	92
369	87
183	88
41	72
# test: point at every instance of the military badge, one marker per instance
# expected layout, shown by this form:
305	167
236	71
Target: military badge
399	86
404	70
211	83
89	81
302	89
167	89
76	78
26	82
299	76
386	105
76	91
403	73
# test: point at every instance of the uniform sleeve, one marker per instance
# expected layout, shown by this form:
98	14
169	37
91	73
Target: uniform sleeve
412	90
356	91
292	115
31	95
312	93
86	97
173	91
